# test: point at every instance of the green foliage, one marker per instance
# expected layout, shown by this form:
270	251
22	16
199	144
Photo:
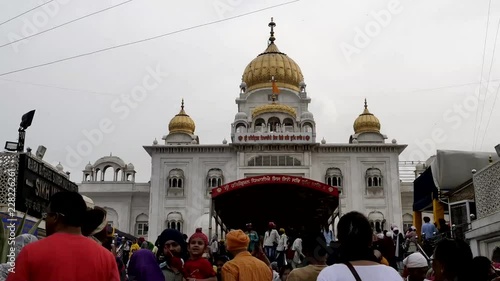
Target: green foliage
4	236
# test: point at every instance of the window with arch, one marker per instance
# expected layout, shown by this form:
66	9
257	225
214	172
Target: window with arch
141	225
176	179
377	221
307	127
374	177
174	221
119	175
333	177
214	179
260	125
112	217
98	175
288	125
108	173
274	124
241	128
407	221
273	160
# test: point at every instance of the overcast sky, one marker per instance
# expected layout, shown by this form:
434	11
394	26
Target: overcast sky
417	62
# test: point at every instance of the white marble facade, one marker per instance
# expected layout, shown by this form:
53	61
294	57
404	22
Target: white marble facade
271	134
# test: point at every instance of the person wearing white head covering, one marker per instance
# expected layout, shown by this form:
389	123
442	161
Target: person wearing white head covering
416	267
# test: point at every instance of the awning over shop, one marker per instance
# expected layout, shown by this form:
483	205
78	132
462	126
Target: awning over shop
448	170
424	191
451	168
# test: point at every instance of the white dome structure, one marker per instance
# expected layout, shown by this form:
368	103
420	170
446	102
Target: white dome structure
241	116
307	115
203	222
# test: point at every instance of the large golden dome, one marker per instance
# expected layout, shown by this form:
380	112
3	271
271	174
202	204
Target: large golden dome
272	62
366	122
182	123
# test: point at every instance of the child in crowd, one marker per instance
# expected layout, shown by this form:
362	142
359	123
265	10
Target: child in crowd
197	267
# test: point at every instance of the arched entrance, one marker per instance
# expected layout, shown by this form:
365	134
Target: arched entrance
291	202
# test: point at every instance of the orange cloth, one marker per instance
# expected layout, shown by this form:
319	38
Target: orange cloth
245	267
276	90
237	240
384	261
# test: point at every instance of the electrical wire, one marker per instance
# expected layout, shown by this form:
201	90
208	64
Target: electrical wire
60	88
481	77
66	23
146	39
489	117
26	12
488	84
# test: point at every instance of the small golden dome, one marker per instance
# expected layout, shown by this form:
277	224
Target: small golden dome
272	62
366	122
274	108
182	123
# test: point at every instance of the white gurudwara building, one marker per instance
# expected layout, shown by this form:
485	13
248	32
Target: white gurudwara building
273	132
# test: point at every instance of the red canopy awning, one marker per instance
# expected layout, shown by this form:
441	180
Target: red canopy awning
289	201
281	180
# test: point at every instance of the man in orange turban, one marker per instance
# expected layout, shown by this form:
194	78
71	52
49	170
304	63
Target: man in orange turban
243	266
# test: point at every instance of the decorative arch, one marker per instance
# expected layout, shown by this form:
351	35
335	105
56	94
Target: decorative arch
119	175
407	221
112	217
333	177
175	221
241	127
108	173
175	182
288	125
260	125
98	175
374	178
307	127
141	225
377	221
274	124
215	178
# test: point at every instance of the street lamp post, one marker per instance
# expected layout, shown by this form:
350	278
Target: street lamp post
25	123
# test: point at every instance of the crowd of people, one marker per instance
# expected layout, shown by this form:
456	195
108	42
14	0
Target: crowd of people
80	246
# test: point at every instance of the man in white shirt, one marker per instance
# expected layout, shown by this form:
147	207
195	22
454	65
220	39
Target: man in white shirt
282	247
298	255
271	238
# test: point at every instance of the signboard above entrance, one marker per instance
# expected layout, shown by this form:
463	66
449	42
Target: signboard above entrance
37	182
288	137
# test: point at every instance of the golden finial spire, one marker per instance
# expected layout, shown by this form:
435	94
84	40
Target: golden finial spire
182	104
272	25
366	104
